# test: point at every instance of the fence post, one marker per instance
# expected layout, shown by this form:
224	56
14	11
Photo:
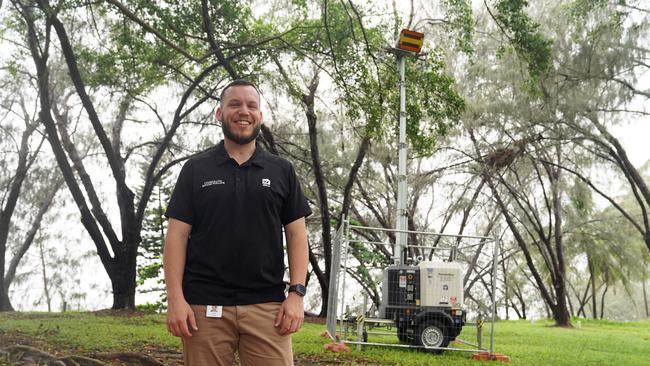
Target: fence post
494	289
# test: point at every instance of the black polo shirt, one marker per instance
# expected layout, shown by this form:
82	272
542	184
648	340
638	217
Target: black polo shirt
234	253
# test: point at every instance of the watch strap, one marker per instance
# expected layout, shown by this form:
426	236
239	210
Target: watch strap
298	289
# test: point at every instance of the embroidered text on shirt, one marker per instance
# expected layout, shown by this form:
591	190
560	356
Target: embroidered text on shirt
208	183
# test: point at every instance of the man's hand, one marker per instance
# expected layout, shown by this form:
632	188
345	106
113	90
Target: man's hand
179	316
291	315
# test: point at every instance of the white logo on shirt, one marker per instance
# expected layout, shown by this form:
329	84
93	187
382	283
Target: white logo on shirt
208	183
266	182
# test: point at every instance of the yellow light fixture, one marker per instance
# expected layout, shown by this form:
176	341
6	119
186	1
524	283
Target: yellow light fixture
410	41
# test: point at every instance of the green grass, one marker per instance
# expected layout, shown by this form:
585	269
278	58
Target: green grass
539	343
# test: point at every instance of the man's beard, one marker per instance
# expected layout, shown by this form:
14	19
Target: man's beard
240	140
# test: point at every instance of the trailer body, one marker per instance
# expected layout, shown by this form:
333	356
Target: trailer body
425	301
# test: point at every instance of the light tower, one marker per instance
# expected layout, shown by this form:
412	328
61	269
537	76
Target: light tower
408	45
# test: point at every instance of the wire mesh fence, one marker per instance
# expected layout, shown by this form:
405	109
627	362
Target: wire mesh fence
435	293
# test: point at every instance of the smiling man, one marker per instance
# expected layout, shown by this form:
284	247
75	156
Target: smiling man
224	257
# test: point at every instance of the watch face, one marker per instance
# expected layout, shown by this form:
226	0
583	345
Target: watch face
298	289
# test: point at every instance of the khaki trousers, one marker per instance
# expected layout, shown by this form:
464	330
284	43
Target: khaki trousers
247	328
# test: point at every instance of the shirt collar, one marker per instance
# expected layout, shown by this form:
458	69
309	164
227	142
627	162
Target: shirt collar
221	155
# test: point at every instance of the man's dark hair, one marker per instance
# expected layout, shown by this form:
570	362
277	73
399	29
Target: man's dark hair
238	82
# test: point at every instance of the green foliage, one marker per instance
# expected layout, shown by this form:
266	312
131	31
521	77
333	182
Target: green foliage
126	57
365	76
368	259
433	105
146	272
131	63
460	23
151	308
579	9
524	36
581	198
154	227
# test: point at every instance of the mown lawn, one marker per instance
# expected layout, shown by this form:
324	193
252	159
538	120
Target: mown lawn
527	343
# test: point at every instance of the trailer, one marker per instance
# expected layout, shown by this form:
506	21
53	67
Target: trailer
425	302
422	299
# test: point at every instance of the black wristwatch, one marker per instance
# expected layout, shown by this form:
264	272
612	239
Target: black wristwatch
299	289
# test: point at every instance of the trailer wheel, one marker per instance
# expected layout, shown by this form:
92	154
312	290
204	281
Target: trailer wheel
432	334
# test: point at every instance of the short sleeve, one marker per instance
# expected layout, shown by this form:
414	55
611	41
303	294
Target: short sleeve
295	206
181	204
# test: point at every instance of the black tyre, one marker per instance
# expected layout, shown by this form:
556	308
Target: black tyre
433	334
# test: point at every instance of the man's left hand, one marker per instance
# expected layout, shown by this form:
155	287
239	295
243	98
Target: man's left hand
291	314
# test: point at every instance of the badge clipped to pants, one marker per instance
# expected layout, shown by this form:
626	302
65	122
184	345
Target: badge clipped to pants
213	311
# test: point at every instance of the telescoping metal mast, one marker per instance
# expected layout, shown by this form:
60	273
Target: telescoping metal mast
408	45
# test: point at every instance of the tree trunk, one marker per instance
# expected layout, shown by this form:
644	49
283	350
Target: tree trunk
26	244
602	296
46	282
571	308
592	282
321	277
515	309
6	212
644	279
505	284
645	298
561	313
517	292
582	300
602	301
319	176
123	279
5	303
637	182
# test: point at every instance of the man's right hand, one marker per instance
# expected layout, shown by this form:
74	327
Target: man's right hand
180	318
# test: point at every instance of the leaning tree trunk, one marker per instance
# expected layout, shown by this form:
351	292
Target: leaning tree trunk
10	201
319	176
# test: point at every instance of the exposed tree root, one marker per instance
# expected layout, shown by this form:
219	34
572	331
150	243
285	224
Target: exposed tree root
27	355
128	357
